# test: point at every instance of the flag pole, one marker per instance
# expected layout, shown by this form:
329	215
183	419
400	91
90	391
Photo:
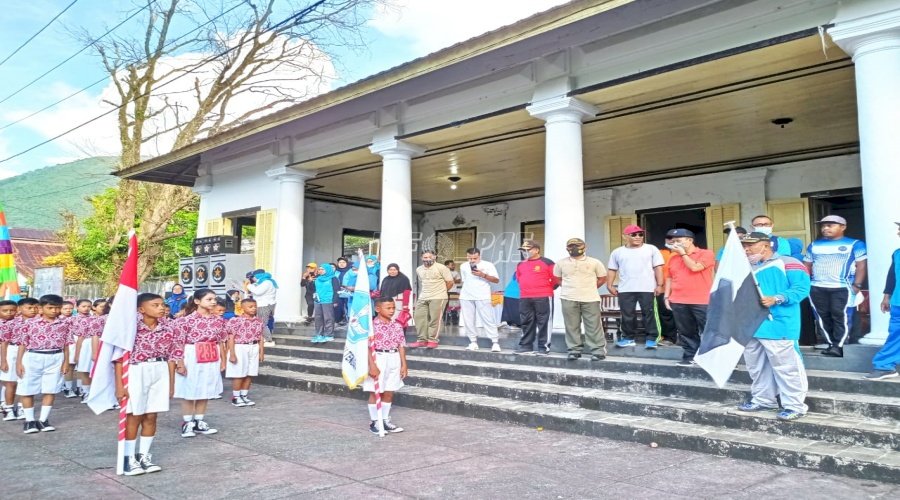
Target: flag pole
730	225
123	416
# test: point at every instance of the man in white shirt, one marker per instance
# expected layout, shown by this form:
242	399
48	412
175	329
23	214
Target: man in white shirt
635	275
475	298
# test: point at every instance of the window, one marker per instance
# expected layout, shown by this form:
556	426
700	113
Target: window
354	240
533	230
453	243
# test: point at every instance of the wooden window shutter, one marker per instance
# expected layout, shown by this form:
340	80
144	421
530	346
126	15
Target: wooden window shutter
716	217
791	218
535	232
615	225
265	240
213	227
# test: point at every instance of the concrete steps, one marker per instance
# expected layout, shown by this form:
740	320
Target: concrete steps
854	434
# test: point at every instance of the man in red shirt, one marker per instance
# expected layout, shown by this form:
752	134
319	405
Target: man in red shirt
536	284
688	283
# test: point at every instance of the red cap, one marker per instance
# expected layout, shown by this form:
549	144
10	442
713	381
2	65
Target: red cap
631	229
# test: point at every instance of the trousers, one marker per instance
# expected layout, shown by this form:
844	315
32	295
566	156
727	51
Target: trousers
888	357
628	302
834	313
428	315
534	315
691	320
469	309
574	314
776	369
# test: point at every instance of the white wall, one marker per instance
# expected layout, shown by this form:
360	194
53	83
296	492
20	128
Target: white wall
323	225
240	189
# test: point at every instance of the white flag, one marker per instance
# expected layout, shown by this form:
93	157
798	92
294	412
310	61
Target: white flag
355	362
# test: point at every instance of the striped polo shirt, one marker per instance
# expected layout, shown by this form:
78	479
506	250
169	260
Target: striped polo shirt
834	261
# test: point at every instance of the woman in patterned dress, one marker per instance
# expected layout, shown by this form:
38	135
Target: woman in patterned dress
200	336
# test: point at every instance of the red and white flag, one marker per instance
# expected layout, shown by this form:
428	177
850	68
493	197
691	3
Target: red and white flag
118	334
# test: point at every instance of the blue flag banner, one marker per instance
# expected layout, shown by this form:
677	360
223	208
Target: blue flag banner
734	314
355	362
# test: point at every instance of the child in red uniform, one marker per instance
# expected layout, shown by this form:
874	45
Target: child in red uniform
200	336
387	363
8	310
42	361
78	320
11	339
150	382
88	343
245	350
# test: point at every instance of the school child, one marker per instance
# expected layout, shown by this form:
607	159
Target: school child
150	382
66	310
200	339
387	363
8	310
28	308
71	384
88	342
221	308
245	352
42	361
327	287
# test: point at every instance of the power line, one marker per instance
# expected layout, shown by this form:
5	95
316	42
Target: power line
292	18
26	42
64	61
106	77
60	190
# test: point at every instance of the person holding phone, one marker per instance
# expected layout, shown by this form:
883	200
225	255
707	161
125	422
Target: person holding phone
688	282
475	298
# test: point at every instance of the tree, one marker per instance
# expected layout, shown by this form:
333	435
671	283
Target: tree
233	61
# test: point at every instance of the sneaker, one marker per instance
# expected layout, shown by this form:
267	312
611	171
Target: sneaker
542	352
573	356
834	352
328	339
20	411
625	343
132	467
389	427
84	397
650	344
69	394
495	348
12	413
882	374
217	396
472	346
687	362
238	402
204	428
416	344
247	401
524	352
751	406
316	339
821	347
789	415
146	461
270	343
665	343
373	428
45	426
431	345
598	357
31	427
187	429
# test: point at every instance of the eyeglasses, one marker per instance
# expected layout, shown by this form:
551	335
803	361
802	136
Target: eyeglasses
636	235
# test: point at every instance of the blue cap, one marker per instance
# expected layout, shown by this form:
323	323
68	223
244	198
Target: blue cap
680	233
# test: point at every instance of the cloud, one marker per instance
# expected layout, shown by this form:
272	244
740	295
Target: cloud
306	76
429	25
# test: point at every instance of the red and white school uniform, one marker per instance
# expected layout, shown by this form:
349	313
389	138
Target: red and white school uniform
247	334
90	327
76	324
203	380
44	342
148	372
10	332
389	338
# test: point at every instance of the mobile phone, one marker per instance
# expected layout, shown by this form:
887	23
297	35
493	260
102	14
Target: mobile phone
474	267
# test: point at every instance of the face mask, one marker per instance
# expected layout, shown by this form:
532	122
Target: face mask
523	254
427	262
764	230
755	258
670	246
575	252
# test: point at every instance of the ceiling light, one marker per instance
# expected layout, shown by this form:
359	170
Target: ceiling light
453	187
782	121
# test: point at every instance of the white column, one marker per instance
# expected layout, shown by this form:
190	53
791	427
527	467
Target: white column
563	177
289	240
873	41
396	203
203	186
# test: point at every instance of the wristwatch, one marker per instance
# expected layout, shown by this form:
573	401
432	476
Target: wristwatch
779	299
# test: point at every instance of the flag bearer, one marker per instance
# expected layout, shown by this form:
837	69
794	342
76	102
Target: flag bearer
772	356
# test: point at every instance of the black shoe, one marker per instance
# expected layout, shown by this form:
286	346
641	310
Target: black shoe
573	356
45	426
132	467
834	352
146	461
598	357
389	427
31	427
524	352
687	362
373	427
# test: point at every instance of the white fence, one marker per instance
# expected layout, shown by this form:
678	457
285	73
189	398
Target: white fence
96	290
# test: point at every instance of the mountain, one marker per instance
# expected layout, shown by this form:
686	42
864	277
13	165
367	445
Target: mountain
36	199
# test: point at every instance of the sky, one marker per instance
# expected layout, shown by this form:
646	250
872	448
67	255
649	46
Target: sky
408	29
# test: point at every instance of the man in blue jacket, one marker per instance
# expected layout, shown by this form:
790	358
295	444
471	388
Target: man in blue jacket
772	356
885	362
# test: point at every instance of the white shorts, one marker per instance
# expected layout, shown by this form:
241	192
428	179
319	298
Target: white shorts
148	388
84	363
389	380
203	380
247	361
43	374
71	349
12	353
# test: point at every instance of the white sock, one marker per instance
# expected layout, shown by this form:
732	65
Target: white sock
45	412
198	417
386	410
235	394
146	441
68	384
79	384
129	448
3	393
29	414
188	418
373	412
244	392
86	389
